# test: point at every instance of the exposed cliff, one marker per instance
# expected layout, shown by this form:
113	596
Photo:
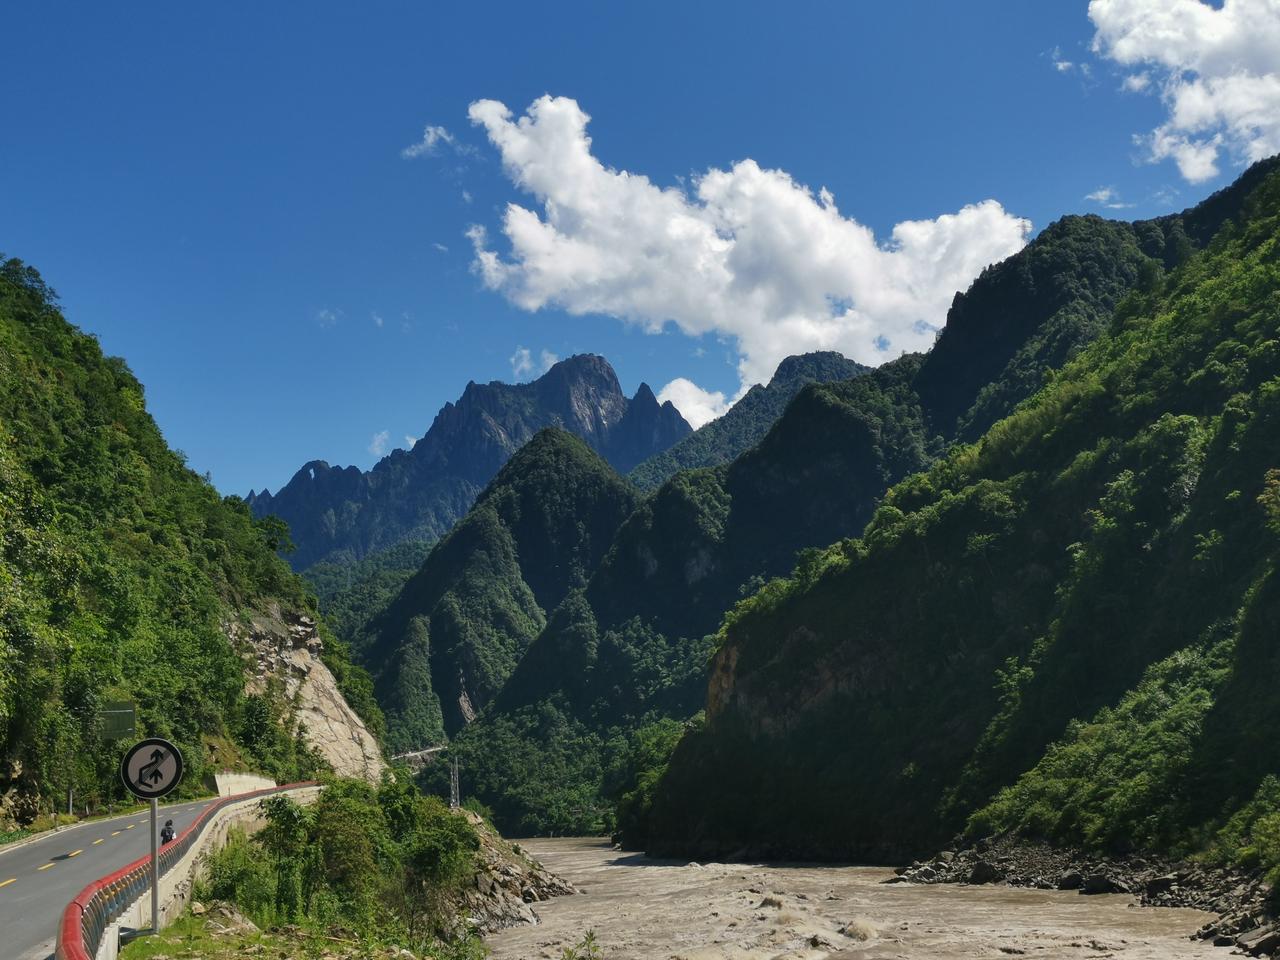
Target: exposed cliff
282	654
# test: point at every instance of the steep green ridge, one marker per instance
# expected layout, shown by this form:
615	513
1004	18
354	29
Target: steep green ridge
120	566
747	421
1068	627
446	644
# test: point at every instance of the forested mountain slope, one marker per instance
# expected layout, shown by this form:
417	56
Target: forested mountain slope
122	575
343	514
630	649
448	641
1068	627
747	421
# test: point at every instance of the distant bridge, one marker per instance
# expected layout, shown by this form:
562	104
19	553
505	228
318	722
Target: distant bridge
417	759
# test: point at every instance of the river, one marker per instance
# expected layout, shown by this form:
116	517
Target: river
655	909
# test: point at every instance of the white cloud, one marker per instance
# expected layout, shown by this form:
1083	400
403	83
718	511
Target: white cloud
1218	69
1108	197
377	320
1136	82
441	247
522	362
696	405
745	253
1060	63
429	145
328	317
410	442
378	442
466	196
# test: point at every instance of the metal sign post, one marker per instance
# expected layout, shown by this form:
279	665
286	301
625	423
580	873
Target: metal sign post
151	769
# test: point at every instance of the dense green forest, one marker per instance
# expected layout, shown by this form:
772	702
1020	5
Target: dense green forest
629	649
120	568
1067	627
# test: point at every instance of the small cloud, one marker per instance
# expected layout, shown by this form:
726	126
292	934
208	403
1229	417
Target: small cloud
1108	197
1060	63
410	442
328	318
1136	82
378	442
441	247
434	139
466	196
429	145
521	363
696	405
377	320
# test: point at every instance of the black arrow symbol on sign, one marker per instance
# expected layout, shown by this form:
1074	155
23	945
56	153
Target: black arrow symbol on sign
151	770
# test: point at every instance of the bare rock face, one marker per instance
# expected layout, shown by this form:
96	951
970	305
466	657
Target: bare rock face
508	882
18	796
282	653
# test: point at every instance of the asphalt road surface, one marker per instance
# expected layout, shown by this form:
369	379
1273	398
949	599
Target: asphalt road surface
39	879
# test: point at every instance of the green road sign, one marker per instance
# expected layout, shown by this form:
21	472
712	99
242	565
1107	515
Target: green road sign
118	720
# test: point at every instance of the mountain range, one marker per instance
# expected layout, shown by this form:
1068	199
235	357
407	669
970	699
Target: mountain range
344	514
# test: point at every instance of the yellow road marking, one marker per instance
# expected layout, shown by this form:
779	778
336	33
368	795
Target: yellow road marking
5	883
45	867
116	833
98	841
131	826
74	853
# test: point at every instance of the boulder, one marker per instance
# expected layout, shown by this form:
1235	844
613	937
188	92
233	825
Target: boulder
985	872
1070	880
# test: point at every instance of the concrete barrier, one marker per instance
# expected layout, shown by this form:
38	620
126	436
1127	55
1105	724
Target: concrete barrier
92	922
230	783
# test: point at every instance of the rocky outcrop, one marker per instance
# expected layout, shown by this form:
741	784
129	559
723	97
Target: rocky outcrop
508	881
282	652
19	799
343	514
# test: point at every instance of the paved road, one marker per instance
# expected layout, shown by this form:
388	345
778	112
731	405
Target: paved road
39	879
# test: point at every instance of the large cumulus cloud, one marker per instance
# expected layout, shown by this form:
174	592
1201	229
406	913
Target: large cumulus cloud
1216	68
746	253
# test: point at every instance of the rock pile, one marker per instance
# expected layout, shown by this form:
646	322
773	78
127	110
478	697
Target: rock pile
1239	898
507	882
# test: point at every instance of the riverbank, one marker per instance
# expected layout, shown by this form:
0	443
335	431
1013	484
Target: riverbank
650	909
1240	900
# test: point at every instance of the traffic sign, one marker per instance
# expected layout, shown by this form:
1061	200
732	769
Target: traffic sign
151	768
118	719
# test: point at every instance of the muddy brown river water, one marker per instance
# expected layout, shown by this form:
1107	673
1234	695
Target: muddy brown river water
642	908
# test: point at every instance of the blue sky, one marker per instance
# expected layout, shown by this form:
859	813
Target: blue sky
223	198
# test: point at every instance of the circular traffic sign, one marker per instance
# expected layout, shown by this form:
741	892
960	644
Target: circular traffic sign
151	768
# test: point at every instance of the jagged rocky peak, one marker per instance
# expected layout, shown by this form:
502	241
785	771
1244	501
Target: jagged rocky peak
343	513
